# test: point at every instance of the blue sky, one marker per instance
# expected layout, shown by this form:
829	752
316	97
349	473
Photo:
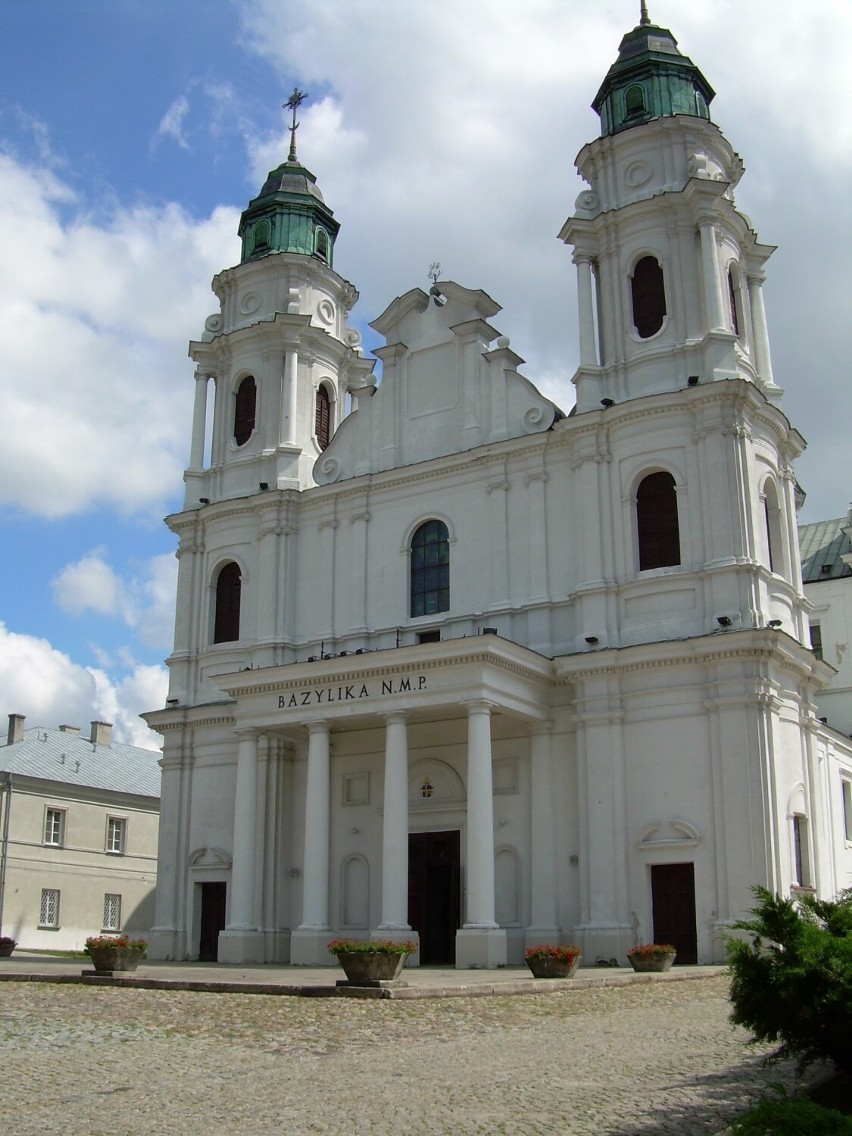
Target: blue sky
133	132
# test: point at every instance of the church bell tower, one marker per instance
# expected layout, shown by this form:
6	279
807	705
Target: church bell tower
669	270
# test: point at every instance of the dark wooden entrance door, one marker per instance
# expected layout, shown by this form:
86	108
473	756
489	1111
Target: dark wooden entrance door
213	897
673	897
434	893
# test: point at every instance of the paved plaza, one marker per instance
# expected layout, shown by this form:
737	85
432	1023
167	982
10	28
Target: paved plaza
626	1059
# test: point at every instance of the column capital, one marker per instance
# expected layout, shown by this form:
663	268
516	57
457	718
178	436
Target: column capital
479	705
395	716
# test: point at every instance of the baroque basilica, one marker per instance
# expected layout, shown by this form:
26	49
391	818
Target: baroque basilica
455	666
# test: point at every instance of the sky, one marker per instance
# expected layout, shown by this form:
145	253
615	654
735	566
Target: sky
133	133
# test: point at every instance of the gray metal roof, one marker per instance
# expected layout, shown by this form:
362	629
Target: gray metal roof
55	755
823	545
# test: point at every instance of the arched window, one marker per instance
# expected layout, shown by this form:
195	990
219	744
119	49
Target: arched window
245	404
657	523
649	297
321	243
430	569
322	418
732	300
226	623
634	101
772	519
260	236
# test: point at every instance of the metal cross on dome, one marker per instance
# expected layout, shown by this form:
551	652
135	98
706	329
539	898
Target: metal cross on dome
294	102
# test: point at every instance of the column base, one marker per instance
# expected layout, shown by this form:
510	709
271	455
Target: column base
167	945
605	941
276	946
309	947
240	946
480	948
400	935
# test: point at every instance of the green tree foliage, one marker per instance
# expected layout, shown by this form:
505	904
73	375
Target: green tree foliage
797	1116
792	980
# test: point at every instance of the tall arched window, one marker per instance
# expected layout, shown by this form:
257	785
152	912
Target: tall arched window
634	101
226	622
245	404
321	243
322	420
656	522
430	569
732	300
649	297
772	518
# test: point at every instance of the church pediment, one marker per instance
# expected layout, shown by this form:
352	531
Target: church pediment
450	383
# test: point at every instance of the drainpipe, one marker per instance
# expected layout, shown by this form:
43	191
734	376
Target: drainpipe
6	790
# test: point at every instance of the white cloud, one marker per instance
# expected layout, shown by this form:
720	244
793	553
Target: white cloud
143	600
171	124
49	688
94	322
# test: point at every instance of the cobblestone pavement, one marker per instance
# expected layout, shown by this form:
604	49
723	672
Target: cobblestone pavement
643	1060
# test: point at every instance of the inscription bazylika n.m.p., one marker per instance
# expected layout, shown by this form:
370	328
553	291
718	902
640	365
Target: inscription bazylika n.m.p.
350	692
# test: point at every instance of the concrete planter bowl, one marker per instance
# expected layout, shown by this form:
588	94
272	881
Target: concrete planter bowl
549	966
371	963
110	953
653	960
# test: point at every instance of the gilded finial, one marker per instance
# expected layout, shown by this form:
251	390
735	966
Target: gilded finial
643	14
294	102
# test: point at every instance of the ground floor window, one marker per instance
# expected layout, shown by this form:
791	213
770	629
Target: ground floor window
49	913
112	912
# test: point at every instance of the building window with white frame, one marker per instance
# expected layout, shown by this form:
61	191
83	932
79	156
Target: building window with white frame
116	835
112	912
49	912
846	797
801	864
54	828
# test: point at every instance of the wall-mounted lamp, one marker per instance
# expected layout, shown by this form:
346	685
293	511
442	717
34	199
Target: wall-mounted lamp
204	500
313	658
723	620
172	702
606	403
263	484
692	381
774	623
591	640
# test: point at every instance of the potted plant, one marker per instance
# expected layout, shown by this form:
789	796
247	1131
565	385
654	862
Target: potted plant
552	962
7	945
367	962
115	952
655	957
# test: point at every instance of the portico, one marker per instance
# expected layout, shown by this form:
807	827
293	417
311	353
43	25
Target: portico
476	689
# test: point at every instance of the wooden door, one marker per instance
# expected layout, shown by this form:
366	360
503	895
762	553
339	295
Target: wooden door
213	901
434	894
673	898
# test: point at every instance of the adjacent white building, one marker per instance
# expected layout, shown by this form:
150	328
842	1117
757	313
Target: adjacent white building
78	835
455	666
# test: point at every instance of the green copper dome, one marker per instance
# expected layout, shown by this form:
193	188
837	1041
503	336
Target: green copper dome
650	79
288	215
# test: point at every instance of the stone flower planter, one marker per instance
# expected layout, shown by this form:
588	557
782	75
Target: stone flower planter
552	962
553	967
109	953
371	962
6	947
650	961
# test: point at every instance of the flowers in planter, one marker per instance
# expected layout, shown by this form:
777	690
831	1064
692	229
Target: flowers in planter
564	954
373	946
121	943
8	941
651	950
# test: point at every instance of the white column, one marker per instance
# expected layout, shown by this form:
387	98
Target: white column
480	818
543	832
395	827
199	420
289	404
243	913
712	283
315	902
588	353
761	334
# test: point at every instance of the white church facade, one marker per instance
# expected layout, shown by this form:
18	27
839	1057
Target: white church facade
452	665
